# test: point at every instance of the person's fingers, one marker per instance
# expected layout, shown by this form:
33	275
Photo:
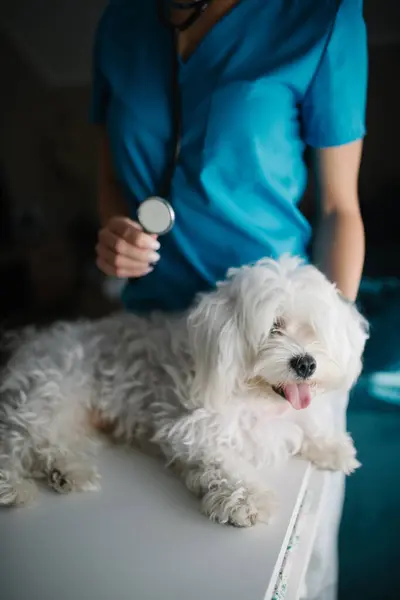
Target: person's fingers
119	261
121	224
108	240
124	250
146	241
105	267
132	272
132	233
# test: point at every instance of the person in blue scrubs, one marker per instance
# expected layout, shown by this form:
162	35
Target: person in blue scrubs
259	82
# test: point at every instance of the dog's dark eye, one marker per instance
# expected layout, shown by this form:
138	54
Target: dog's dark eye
278	327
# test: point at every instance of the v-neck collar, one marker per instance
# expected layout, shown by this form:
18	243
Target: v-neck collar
224	21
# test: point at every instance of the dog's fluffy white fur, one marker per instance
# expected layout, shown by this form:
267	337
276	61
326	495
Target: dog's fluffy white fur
206	388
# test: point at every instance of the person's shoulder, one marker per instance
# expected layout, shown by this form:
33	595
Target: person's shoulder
130	7
355	4
115	8
341	19
340	4
118	11
125	27
328	9
348	10
349	22
122	21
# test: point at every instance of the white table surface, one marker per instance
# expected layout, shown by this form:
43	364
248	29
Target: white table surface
142	538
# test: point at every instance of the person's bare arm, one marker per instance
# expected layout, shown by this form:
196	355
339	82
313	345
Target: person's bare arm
339	245
123	249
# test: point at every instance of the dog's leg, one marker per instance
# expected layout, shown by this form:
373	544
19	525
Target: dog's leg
334	453
44	401
230	495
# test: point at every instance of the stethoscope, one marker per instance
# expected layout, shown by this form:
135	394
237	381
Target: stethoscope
155	214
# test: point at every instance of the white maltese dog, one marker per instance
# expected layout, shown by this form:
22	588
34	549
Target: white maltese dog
239	382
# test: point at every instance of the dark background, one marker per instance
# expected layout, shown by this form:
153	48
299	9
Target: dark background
48	227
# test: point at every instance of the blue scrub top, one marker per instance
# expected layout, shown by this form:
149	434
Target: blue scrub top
270	78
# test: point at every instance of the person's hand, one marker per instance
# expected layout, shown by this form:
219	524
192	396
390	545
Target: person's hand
124	250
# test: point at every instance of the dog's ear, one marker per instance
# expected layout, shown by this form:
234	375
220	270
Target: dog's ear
217	348
227	328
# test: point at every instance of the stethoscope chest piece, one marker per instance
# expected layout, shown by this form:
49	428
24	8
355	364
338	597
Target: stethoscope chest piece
156	215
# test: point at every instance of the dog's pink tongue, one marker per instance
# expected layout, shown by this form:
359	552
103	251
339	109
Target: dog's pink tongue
298	394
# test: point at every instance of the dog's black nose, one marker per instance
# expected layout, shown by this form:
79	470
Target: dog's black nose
304	366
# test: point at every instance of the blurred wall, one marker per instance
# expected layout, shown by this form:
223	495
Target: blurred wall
47	161
55	36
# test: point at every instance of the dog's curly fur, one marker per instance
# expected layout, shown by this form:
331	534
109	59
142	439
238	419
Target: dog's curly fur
205	387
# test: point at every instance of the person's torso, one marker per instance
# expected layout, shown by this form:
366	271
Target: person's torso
241	172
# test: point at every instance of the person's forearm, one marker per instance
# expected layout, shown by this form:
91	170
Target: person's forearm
339	250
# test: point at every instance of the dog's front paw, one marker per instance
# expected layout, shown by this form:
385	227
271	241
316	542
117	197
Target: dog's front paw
337	454
84	479
238	506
